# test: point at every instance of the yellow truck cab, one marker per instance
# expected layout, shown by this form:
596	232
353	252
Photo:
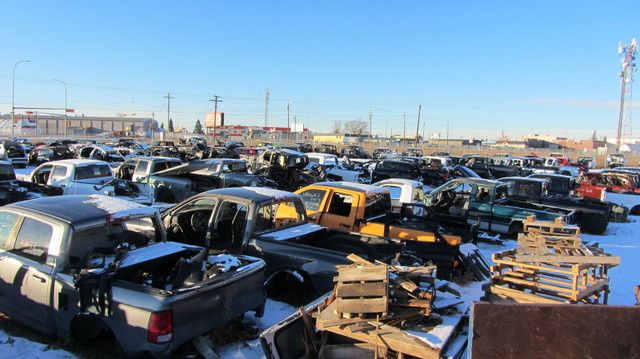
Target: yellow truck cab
365	209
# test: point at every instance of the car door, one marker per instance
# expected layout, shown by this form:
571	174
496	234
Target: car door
26	272
60	177
314	200
41	174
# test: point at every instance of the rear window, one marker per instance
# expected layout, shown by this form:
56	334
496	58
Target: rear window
93	171
377	204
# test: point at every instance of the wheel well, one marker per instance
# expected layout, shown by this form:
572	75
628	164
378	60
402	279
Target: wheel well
87	327
515	227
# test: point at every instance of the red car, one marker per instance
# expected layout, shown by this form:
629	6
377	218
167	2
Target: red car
597	184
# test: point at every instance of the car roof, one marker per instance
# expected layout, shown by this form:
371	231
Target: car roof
82	210
353	186
258	194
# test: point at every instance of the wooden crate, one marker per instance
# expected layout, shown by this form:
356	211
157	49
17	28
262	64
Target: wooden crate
362	290
567	282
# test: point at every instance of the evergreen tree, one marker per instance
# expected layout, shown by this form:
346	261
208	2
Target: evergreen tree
171	129
594	137
198	128
162	126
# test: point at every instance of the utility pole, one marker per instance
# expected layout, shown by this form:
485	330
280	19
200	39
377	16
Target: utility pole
418	127
168	97
370	116
404	129
266	107
215	100
13	98
153	122
447	133
288	125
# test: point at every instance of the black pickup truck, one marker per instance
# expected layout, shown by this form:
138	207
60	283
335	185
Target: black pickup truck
272	225
592	216
564	186
488	202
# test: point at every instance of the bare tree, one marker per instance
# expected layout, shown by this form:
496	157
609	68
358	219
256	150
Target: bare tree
337	127
356	127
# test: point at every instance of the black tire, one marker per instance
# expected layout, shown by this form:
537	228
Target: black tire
514	229
592	223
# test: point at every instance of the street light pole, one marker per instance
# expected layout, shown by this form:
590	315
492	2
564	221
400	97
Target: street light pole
13	98
65	105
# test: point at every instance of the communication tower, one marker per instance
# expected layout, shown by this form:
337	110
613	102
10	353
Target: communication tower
628	68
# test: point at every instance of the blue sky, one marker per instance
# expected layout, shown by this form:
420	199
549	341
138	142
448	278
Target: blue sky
481	69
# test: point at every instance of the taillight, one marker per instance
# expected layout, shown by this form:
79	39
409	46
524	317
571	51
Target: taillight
160	327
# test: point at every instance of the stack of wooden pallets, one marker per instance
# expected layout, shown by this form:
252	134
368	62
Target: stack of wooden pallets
373	304
551	265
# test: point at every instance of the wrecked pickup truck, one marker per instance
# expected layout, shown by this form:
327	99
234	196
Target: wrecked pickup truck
175	183
591	217
83	266
366	209
14	190
272	225
486	201
82	176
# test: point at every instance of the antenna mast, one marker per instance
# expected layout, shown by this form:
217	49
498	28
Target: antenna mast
628	68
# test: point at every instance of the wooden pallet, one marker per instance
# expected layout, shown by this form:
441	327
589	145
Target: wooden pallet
362	290
568	282
557	227
536	247
382	336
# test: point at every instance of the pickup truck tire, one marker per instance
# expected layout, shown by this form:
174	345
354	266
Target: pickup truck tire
592	223
514	229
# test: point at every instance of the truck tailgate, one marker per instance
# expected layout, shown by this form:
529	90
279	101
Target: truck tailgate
217	300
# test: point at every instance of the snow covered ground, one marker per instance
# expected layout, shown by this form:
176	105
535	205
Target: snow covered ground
620	239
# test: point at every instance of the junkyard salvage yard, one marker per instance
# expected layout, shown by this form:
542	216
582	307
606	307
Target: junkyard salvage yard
576	285
319	180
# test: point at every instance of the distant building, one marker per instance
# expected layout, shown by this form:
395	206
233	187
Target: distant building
506	143
454	142
582	145
260	133
58	125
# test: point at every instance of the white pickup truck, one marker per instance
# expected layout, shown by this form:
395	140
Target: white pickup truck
83	176
86	266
